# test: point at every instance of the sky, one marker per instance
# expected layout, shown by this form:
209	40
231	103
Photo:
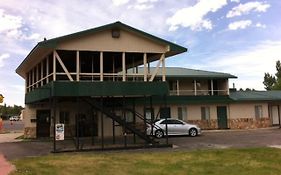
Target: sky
240	37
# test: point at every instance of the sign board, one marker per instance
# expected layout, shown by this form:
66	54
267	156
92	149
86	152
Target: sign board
59	131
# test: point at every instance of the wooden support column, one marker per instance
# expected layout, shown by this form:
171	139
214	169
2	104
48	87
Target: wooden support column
227	86
54	66
101	66
145	67
42	66
77	66
63	66
47	70
178	87
33	78
163	67
212	87
37	75
123	66
195	88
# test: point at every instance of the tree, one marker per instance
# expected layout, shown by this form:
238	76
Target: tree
272	82
269	81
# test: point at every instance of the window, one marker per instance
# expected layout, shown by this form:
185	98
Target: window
64	117
182	113
174	122
129	117
258	111
149	113
205	113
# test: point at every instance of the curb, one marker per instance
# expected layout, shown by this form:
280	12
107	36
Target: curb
240	130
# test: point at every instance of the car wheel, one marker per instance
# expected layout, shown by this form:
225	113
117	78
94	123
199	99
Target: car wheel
192	132
159	133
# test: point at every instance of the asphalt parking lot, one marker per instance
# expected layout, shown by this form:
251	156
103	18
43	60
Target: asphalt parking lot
208	140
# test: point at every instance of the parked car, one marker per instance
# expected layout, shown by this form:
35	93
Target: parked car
14	118
175	127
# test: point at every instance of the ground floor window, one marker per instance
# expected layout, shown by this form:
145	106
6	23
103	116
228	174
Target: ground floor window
258	111
64	117
129	117
149	113
182	113
205	113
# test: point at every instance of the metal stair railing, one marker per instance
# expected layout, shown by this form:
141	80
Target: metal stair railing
122	122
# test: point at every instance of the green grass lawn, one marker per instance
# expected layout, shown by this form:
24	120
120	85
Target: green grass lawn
254	161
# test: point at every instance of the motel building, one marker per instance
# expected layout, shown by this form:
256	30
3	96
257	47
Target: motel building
99	83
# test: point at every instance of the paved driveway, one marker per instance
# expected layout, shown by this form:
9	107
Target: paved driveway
230	138
209	140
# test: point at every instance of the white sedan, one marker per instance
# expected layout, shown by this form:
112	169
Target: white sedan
175	127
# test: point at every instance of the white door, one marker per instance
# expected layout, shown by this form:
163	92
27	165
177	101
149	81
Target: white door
274	115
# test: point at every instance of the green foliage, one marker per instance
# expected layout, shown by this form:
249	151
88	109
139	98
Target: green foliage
273	82
10	110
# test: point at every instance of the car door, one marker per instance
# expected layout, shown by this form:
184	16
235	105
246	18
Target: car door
170	126
179	128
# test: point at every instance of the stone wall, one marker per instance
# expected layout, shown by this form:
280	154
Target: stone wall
239	123
30	132
249	123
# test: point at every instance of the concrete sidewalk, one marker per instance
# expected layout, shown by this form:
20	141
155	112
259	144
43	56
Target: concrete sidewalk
10	137
5	166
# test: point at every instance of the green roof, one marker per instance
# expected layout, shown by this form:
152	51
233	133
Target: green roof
179	72
53	43
255	95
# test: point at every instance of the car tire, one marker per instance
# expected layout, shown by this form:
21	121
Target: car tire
159	134
192	132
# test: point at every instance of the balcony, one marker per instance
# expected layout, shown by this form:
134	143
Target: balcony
198	92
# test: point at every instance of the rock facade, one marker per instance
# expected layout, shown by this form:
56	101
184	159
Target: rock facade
30	132
239	123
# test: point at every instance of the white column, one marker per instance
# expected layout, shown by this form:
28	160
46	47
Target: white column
178	87
212	87
47	70
227	86
144	67
77	66
54	66
37	75
123	66
163	67
101	66
42	73
195	88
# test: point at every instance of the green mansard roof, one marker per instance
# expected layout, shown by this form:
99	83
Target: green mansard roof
178	72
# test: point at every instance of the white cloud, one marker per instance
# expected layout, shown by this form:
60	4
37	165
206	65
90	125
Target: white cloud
2	58
142	4
259	25
119	2
249	65
237	1
9	22
194	17
247	8
239	24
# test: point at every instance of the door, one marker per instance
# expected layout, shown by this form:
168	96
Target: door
43	123
222	117
274	114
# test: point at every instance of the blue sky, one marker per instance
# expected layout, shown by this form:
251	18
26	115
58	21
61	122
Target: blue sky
240	37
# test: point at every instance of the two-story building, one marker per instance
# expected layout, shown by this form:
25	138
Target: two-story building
100	84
